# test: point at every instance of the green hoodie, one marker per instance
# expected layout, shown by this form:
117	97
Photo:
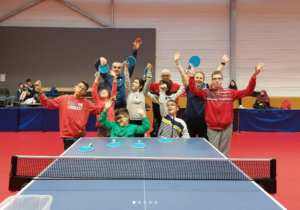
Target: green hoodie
128	131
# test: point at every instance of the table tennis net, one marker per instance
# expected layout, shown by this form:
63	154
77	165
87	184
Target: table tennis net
38	167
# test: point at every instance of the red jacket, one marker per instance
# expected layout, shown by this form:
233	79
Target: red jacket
101	103
219	107
73	113
155	88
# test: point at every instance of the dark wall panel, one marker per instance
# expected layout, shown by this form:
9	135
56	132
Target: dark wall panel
60	57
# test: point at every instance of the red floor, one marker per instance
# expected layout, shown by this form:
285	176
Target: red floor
282	146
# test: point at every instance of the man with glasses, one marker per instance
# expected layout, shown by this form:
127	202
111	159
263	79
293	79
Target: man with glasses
117	68
171	126
218	104
74	111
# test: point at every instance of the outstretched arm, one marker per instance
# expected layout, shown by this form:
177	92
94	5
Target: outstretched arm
127	79
182	72
136	45
148	79
225	59
103	117
50	104
237	94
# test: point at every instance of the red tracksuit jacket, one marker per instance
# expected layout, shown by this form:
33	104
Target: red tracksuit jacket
73	113
218	107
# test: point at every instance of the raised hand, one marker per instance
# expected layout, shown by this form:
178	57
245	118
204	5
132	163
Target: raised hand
125	64
177	57
141	112
113	74
108	104
163	87
191	72
114	98
225	58
137	43
149	68
103	61
38	86
260	67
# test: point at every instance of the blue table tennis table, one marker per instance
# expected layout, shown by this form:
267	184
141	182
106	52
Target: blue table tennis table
151	194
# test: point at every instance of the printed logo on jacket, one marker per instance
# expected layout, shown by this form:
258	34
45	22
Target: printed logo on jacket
75	106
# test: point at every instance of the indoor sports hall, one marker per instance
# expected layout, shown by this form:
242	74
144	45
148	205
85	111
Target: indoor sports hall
139	104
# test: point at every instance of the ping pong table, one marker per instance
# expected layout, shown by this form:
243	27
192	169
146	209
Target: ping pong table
151	194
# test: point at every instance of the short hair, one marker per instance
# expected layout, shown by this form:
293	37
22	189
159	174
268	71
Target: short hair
165	70
200	72
85	84
123	111
28	80
114	63
174	102
141	82
216	72
20	84
168	83
106	90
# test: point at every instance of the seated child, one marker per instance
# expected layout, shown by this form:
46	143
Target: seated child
171	126
22	92
121	127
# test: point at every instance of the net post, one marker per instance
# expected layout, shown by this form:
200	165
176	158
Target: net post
14	163
273	168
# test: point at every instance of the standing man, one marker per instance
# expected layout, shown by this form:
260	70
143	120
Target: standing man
117	68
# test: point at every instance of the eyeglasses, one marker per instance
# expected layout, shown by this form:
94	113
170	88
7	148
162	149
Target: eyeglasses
117	67
119	118
215	79
171	105
165	75
81	88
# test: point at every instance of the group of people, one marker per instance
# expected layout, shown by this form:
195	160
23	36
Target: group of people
119	104
26	90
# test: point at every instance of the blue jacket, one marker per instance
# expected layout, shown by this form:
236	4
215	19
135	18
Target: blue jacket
121	97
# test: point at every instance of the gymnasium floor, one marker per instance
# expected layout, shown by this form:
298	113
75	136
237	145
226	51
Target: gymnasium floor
282	146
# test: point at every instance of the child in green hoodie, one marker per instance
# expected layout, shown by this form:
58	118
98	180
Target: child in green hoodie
121	127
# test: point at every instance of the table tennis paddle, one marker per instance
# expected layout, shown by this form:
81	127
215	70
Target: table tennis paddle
113	143
87	148
194	61
139	145
131	61
164	140
103	69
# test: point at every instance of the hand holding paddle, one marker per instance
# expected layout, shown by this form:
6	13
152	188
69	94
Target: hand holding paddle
103	61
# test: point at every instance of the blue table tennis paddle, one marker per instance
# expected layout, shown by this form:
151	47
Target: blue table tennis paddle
194	61
87	148
103	69
113	143
164	140
131	60
139	145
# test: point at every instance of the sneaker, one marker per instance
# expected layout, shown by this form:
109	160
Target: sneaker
241	107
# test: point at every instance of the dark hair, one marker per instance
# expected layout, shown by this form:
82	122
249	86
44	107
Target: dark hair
200	72
174	102
216	72
28	80
85	84
106	90
20	84
231	86
141	82
123	111
168	83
